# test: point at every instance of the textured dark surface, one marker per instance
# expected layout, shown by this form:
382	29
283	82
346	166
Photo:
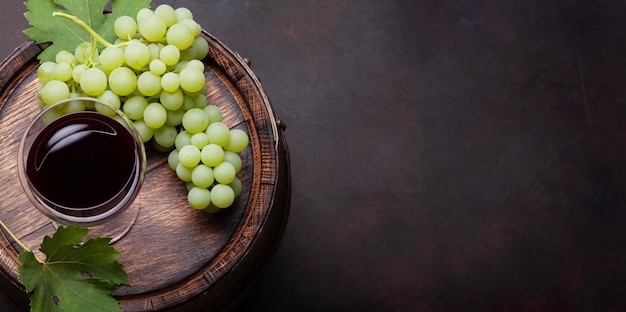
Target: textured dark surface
445	155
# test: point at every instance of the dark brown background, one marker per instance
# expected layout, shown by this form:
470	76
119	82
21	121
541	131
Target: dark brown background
446	155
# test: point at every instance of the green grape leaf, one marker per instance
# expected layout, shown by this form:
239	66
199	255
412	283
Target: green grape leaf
65	35
73	277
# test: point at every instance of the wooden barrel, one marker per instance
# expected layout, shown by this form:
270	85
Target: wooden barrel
176	258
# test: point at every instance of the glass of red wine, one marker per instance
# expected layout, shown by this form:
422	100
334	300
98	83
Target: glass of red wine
81	162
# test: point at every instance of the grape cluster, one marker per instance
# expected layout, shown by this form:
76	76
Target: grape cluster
207	158
153	73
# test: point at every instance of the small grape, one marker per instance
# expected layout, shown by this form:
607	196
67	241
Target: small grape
180	35
212	155
125	27
224	173
165	136
183	14
134	106
62	71
172	159
85	51
237	186
54	91
45	72
64	56
199	198
215	113
169	82
155	115
157	67
93	81
143	13
195	120
152	27
183	172
123	81
145	132
167	13
191	79
189	156
218	133
234	159
199	48
199	100
110	98
136	55
149	84
170	55
199	140
171	100
155	49
222	196
182	139
111	58
238	141
193	25
78	71
174	117
202	176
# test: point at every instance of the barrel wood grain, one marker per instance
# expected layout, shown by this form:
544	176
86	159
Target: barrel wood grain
175	257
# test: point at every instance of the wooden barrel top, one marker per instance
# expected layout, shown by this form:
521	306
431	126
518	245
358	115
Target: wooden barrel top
175	256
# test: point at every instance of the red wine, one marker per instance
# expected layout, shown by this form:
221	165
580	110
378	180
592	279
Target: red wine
83	163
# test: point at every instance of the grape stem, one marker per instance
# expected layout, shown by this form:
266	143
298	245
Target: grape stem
17	240
86	27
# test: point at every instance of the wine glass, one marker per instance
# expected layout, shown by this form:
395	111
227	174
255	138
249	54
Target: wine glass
81	162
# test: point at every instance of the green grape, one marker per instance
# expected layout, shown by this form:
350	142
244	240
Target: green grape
171	100
125	27
191	79
93	81
62	72
196	29
180	35
224	173
170	55
218	134
167	13
123	81
188	103
76	105
237	186
110	98
157	67
64	56
111	58
182	139
134	106
172	159
197	64
143	13
78	71
45	72
154	115
238	141
165	136
145	132
234	159
183	14
155	49
175	117
189	156
222	196
54	91
169	82
136	55
212	155
182	172
149	84
199	140
202	176
195	120
215	113
152	27
200	100
84	52
199	198
199	48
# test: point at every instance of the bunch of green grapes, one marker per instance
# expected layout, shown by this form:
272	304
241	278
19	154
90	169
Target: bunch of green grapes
153	73
207	158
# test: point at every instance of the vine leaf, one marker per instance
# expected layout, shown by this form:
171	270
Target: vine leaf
65	35
73	277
